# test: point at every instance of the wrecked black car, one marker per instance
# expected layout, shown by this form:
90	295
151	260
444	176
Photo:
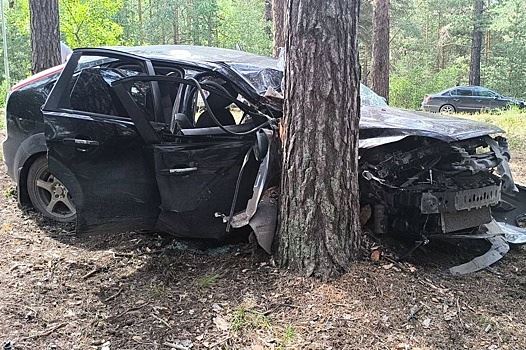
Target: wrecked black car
184	139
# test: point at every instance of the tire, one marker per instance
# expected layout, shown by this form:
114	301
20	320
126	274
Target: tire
447	109
47	193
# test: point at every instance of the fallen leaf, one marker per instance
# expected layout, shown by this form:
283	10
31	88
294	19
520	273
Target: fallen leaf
376	255
426	323
221	323
387	267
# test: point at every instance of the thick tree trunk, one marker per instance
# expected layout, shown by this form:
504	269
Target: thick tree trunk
380	54
45	35
476	43
319	230
278	25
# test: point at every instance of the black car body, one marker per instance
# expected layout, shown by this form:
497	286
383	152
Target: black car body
121	130
468	99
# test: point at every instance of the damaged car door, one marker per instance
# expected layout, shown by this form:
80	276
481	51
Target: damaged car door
94	146
204	174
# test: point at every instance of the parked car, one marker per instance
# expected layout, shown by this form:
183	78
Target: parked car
183	139
468	99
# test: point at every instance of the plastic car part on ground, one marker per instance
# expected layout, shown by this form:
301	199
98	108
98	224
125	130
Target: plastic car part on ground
499	235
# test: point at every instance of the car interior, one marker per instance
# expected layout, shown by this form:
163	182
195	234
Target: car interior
184	109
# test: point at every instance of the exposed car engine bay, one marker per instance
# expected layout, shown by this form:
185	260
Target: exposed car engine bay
424	186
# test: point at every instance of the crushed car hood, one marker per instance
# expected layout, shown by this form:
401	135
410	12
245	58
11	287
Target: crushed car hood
389	122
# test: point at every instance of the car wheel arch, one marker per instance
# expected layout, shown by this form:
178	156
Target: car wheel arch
23	195
28	151
440	109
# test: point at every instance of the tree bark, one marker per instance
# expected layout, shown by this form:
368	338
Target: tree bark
319	232
45	35
476	43
380	54
278	25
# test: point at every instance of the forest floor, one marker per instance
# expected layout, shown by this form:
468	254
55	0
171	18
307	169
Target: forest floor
138	291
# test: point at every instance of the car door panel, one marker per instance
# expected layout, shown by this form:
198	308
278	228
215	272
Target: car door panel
101	159
108	170
483	103
201	174
197	182
463	100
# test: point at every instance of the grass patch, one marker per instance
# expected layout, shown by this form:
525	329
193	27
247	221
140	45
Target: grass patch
244	318
512	121
287	337
158	291
208	280
9	192
2	119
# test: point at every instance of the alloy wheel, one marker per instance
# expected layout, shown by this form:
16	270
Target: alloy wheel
447	109
48	194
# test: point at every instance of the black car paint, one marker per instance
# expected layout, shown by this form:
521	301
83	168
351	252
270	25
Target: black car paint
115	194
388	121
25	129
125	196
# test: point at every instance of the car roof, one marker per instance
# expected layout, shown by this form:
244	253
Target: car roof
199	54
468	87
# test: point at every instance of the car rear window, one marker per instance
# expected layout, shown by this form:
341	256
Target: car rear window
462	92
91	92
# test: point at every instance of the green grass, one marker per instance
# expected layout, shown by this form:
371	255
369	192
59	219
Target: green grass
245	318
2	119
208	280
289	335
512	121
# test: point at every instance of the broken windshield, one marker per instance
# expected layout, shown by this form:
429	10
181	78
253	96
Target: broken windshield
263	78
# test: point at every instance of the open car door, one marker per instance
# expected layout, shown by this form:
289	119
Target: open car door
93	144
203	174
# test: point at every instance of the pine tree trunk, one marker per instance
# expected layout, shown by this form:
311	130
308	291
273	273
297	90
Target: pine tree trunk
139	12
319	232
45	35
380	54
476	43
278	25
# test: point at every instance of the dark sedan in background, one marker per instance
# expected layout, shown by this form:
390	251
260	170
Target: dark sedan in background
468	99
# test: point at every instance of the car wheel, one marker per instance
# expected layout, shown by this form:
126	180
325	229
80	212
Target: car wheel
447	109
47	193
